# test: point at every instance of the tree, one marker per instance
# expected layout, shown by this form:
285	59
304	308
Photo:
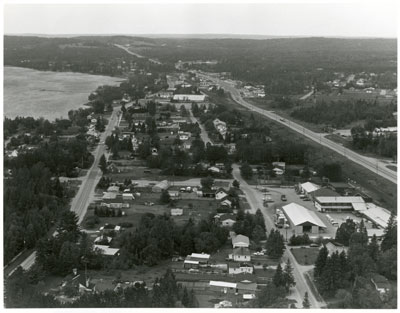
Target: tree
321	261
306	302
165	197
288	276
207	182
246	171
68	228
275	244
236	184
185	298
373	248
345	231
279	279
103	164
390	237
271	296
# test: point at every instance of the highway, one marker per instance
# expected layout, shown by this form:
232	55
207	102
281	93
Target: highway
82	199
375	165
254	199
137	54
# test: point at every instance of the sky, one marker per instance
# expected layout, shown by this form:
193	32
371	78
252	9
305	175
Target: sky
356	19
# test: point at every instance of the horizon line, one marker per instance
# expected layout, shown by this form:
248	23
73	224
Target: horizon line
154	35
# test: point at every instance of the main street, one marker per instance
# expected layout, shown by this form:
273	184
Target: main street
82	199
255	202
375	165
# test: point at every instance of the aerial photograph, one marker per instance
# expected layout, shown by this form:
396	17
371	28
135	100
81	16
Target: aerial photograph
200	155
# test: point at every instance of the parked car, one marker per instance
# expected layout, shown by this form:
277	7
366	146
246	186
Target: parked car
283	198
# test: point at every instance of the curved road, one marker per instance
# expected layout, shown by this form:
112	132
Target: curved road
81	200
372	164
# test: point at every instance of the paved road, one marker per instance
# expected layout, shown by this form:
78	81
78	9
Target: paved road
254	199
204	135
82	199
137	55
373	164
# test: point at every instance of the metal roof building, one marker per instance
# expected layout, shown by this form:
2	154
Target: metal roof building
302	219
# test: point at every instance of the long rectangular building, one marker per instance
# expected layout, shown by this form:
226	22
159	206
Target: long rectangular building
339	204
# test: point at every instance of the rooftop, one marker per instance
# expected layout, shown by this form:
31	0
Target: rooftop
300	215
309	187
240	238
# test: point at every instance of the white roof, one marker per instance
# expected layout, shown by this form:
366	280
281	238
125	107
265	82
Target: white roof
222	284
191	262
351	200
127	194
200	256
190	97
249	296
309	187
299	215
377	232
106	250
379	215
240	238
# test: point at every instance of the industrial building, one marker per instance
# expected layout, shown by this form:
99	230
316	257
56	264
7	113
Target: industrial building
302	220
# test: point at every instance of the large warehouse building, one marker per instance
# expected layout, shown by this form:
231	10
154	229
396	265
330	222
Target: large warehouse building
303	220
339	204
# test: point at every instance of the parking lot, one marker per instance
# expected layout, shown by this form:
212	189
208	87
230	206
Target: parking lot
292	196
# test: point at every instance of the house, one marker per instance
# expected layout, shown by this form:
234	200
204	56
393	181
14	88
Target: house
128	196
214	169
222	286
109	196
278	171
281	165
189	98
174	194
227	203
334	246
103	240
106	250
162	185
223	304
240	255
113	189
240	241
227	220
184	136
176	212
191	264
379	233
220	194
302	219
81	282
381	284
195	260
308	188
240	268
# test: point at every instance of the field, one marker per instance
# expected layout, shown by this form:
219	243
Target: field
48	94
305	256
193	207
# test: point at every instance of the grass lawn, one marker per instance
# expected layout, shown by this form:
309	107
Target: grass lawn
305	256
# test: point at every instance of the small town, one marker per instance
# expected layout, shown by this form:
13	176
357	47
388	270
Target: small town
186	185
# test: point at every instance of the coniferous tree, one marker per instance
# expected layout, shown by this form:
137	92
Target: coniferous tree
103	164
288	276
373	248
275	244
279	279
390	237
306	301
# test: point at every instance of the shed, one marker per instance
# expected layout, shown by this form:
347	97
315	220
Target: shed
176	212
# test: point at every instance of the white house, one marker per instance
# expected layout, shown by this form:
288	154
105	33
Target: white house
240	268
214	169
128	196
220	194
240	255
176	212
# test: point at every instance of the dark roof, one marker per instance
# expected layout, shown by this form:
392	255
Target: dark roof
339	185
228	216
241	251
325	192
